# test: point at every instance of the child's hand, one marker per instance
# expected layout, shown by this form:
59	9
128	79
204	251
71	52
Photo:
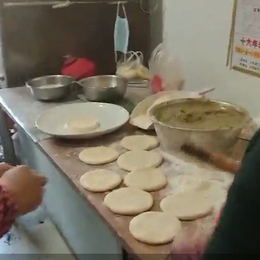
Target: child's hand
26	187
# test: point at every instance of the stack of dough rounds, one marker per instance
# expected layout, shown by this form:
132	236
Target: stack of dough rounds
98	155
128	201
139	159
82	124
187	206
155	228
139	142
100	180
146	179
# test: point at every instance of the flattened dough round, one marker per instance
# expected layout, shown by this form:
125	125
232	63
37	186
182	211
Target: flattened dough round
146	179
98	155
155	228
139	142
82	123
100	180
128	201
187	206
138	159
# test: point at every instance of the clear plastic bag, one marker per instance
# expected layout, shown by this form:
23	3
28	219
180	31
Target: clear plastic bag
131	66
166	72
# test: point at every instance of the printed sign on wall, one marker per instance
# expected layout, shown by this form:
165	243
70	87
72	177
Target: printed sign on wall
245	37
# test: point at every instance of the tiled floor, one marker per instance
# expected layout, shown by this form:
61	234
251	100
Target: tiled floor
34	237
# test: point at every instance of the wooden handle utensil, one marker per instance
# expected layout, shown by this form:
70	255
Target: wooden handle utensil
221	161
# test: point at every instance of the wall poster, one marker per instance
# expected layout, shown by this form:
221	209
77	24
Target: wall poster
244	48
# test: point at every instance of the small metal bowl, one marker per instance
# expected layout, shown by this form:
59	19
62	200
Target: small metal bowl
106	88
50	88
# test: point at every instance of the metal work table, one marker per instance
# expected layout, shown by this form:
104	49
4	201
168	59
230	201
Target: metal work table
87	226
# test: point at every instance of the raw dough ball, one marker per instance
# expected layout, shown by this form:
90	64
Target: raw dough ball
138	159
146	179
187	206
82	123
155	228
128	201
100	180
98	155
139	142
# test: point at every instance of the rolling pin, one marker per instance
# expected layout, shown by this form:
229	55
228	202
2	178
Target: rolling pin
219	160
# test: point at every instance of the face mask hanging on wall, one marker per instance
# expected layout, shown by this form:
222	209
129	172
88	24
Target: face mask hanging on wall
121	32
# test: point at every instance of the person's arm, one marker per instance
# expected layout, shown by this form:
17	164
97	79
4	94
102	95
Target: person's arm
238	230
21	191
8	211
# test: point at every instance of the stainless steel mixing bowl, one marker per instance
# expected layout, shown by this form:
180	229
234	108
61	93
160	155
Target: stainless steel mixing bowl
50	88
106	88
218	139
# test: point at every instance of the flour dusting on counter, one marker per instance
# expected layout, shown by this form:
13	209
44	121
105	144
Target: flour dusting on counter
185	174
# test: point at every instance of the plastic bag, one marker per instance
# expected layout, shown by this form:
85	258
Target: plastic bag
78	68
166	72
131	66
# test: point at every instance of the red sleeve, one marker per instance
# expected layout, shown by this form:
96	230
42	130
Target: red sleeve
8	211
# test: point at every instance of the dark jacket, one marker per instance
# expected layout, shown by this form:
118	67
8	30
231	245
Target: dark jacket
238	229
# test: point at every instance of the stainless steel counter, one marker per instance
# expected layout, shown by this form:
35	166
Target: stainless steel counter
22	107
86	233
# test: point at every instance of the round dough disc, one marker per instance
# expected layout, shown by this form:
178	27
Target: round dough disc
139	142
146	179
82	123
100	180
187	206
155	228
138	159
128	201
98	155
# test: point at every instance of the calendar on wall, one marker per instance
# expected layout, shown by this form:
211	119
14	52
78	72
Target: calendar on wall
244	48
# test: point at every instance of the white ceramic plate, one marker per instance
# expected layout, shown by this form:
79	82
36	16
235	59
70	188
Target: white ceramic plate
111	117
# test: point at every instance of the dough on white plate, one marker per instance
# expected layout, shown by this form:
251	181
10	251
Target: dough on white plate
155	228
82	124
146	179
139	159
128	201
187	206
100	180
139	142
98	155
